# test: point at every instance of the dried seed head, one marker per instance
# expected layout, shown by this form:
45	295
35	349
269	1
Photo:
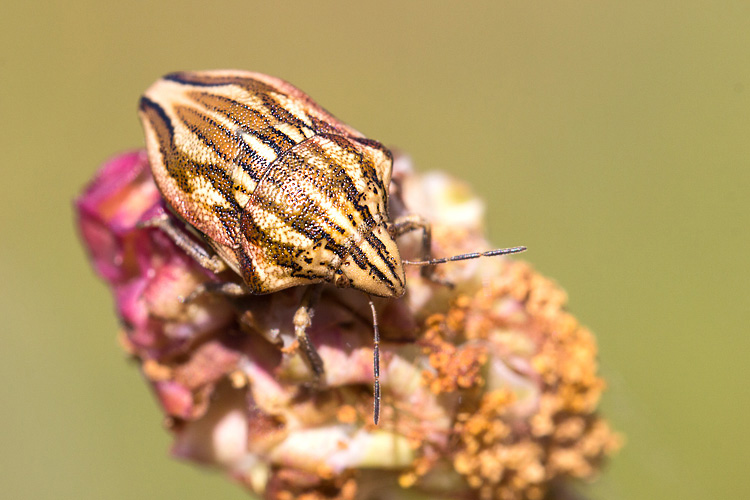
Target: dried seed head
489	388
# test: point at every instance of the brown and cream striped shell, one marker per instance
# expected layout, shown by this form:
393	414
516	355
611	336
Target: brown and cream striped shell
284	192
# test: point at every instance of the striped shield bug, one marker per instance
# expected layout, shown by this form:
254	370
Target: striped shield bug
283	193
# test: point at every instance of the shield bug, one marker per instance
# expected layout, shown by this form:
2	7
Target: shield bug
283	193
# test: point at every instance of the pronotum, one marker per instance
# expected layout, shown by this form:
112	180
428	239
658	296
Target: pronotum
281	191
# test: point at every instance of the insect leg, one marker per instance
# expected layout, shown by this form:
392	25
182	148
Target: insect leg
182	240
302	320
408	223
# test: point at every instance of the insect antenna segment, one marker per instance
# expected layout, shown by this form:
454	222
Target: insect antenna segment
375	364
465	256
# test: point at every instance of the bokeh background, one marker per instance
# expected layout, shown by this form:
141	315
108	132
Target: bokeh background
612	138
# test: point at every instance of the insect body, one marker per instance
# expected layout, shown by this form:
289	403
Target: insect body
284	193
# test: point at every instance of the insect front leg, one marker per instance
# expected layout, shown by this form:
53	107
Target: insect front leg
302	321
213	263
408	223
180	238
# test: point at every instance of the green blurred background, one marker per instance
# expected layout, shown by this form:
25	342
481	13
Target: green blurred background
612	138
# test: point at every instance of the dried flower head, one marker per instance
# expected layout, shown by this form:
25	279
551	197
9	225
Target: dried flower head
489	387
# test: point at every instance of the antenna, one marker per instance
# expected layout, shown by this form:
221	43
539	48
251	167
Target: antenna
375	364
465	256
